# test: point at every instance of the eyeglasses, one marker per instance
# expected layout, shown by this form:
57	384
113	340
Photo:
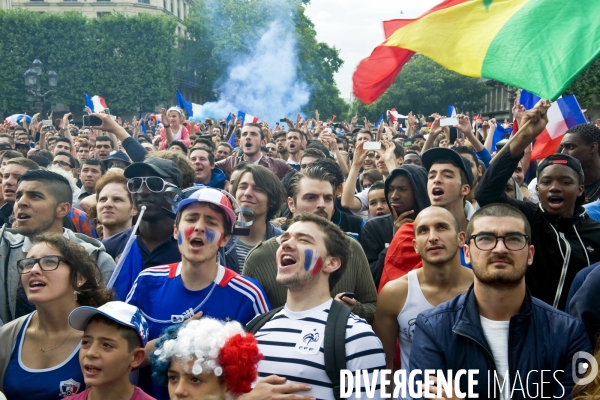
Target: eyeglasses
513	241
61	163
153	183
46	263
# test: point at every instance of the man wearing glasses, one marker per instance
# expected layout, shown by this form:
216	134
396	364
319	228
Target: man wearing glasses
65	161
147	184
497	327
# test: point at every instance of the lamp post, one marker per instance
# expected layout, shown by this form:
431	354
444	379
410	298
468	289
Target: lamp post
33	82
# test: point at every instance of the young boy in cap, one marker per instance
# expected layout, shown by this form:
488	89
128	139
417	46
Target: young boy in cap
565	238
112	345
172	294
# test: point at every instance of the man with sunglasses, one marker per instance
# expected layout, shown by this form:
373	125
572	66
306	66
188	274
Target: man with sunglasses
147	183
517	343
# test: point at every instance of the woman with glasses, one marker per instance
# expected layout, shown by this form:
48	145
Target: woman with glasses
39	351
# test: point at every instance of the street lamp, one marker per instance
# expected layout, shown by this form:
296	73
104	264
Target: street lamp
33	82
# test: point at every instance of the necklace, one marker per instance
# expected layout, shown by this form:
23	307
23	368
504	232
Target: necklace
54	348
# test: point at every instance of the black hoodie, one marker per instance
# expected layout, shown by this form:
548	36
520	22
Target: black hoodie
379	231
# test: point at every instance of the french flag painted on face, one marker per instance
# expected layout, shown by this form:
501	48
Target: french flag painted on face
247	118
564	114
313	263
96	103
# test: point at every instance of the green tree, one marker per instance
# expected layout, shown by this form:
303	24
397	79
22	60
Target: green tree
425	87
128	60
587	86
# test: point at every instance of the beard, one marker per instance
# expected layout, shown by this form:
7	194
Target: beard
322	213
509	277
297	280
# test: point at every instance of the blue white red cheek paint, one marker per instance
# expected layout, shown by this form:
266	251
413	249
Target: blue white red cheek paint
179	238
213	237
313	263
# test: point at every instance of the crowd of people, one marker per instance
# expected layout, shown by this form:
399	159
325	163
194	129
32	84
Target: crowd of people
162	258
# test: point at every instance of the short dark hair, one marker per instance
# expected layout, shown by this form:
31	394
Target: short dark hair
314	171
590	133
499	210
202	141
463	175
398	150
95	162
106	139
316	144
279	134
372	174
366	131
127	333
337	242
302	134
464	150
259	126
267	181
72	160
312	152
211	155
226	145
25	162
64	140
378	185
57	185
10	154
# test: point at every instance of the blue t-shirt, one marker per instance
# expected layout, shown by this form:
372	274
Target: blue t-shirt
56	383
164	301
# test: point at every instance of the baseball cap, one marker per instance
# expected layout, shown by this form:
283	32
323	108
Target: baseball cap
561	159
5	146
118	311
159	166
441	153
214	196
117	155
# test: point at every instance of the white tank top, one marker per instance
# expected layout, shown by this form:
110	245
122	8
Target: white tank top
415	304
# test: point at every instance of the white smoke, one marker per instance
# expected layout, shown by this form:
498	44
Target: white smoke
264	82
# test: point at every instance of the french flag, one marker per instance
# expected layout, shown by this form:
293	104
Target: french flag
16	119
451	112
564	114
247	118
96	103
393	115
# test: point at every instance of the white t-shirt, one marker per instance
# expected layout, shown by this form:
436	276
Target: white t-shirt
292	346
496	333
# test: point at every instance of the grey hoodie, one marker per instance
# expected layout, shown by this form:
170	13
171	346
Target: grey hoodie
11	250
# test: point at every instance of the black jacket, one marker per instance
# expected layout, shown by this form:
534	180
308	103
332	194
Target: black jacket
585	304
379	232
350	224
563	246
450	336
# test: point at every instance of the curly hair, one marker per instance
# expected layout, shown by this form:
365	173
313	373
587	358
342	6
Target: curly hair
185	166
91	293
589	133
221	348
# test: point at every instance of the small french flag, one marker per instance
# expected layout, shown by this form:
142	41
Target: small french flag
247	118
96	103
451	112
394	115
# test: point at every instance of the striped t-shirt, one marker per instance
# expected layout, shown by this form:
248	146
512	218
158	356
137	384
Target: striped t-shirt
292	346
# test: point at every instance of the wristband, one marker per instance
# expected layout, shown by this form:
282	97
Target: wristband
166	126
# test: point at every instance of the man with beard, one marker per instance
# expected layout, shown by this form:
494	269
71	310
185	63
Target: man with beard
437	240
272	150
280	141
570	239
497	327
252	139
207	174
295	143
313	191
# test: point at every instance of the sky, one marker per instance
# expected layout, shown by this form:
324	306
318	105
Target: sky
355	28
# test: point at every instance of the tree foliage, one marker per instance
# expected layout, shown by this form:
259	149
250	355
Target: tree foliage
587	86
220	30
128	60
425	87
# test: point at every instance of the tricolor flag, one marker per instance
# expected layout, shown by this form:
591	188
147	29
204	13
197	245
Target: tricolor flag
528	100
451	112
247	118
16	119
96	103
393	115
378	122
191	109
564	114
473	38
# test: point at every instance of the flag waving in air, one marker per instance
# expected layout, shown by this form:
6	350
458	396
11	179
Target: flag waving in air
247	118
477	37
96	103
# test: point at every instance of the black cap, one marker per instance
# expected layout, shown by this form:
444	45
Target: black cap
159	166
562	159
5	146
118	155
441	153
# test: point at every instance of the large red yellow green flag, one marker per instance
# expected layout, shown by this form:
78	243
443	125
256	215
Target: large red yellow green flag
538	45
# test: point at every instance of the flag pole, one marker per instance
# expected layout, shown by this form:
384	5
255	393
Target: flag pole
132	237
506	146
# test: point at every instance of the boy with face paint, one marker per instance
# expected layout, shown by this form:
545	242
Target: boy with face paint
172	294
567	239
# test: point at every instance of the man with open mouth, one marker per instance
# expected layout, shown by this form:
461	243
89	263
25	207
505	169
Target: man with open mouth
566	238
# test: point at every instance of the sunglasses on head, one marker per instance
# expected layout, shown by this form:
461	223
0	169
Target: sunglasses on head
153	183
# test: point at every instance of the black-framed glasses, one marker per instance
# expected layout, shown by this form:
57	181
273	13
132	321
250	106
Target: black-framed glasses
46	263
512	241
61	163
153	183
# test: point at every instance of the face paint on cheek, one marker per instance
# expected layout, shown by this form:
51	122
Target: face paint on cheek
212	236
179	238
313	263
188	232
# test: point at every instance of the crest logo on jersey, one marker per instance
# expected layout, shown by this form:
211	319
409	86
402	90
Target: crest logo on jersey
310	339
69	388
